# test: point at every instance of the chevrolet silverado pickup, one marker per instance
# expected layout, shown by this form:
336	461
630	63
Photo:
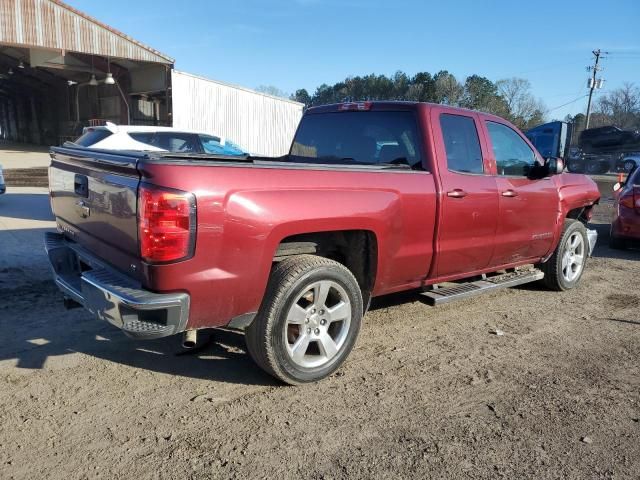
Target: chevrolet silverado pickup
373	198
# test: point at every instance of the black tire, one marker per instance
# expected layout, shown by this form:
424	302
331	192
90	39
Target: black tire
593	167
265	337
552	268
575	166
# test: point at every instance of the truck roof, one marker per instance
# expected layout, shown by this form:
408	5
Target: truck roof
389	105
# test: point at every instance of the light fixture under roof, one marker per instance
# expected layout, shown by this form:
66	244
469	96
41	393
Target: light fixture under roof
10	72
21	64
93	82
109	80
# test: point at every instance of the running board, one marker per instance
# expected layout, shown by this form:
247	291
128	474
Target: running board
460	291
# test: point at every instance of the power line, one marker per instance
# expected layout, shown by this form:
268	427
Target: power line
568	103
623	52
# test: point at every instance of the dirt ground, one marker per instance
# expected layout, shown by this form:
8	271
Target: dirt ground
427	392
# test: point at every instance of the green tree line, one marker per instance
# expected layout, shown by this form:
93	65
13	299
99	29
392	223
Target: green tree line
509	98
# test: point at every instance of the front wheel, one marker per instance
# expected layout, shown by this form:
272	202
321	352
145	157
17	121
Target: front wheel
308	321
565	267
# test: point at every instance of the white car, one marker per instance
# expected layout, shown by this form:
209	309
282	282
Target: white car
155	139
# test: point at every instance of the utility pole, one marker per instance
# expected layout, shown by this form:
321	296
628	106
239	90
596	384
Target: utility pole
593	84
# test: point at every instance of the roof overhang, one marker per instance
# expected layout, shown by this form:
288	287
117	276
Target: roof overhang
55	26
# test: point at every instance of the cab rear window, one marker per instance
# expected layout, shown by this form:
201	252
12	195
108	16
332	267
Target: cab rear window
358	138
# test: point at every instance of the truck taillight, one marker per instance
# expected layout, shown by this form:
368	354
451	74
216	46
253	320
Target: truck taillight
166	224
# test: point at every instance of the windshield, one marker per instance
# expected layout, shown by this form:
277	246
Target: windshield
212	145
364	138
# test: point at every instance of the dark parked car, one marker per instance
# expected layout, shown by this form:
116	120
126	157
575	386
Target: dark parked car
3	188
607	138
625	224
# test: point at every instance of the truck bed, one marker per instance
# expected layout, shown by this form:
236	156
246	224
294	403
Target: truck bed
244	211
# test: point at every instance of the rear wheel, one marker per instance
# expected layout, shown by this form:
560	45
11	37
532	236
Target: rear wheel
565	267
308	321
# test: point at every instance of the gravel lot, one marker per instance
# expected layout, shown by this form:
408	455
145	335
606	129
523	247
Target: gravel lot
427	393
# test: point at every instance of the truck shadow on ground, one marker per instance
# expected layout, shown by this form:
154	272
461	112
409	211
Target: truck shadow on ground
37	329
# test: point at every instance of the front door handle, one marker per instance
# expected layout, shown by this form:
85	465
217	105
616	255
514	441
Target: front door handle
457	193
509	193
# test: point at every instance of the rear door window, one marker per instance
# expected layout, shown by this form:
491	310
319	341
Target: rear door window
461	143
358	138
92	136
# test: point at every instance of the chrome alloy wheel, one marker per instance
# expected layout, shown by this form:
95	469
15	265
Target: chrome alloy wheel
573	257
317	324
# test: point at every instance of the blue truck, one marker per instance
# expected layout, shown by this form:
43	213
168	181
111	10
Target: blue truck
551	139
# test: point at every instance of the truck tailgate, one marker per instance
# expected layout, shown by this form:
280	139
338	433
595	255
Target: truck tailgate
94	200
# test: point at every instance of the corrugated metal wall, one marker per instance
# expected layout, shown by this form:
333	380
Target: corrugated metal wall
261	124
53	24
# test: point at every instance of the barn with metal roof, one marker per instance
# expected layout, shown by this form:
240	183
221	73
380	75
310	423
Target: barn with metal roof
62	70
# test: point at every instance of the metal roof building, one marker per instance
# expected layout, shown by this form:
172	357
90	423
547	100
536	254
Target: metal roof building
51	24
62	70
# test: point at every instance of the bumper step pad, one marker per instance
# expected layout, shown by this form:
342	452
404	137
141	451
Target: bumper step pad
113	297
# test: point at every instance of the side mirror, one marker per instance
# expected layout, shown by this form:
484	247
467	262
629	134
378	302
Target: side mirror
555	165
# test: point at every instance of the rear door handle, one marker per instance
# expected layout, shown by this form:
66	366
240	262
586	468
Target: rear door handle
456	193
510	193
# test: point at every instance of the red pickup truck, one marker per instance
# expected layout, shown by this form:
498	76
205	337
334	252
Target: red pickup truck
373	198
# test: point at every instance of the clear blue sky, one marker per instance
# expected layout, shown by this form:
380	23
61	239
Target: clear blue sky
295	44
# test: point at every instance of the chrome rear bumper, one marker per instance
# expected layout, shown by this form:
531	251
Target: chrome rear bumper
112	296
